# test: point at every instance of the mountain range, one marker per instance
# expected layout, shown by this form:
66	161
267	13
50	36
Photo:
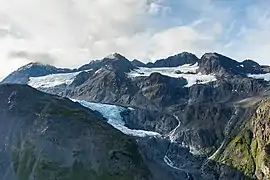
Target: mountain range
182	117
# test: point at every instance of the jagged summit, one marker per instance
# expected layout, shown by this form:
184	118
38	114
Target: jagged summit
33	69
175	60
215	63
250	63
138	63
113	61
31	64
114	56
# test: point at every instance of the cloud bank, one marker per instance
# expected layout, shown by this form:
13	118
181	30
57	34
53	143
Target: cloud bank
69	33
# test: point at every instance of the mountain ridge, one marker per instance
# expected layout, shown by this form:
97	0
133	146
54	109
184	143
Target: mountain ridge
188	101
48	137
208	63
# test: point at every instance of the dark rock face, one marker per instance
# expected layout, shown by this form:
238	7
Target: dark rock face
46	137
203	125
161	89
220	65
248	149
214	63
138	63
92	64
152	120
174	61
116	63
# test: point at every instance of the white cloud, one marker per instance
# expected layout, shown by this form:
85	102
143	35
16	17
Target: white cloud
70	33
73	32
253	40
157	8
67	29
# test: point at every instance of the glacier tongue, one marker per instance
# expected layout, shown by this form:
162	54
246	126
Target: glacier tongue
113	114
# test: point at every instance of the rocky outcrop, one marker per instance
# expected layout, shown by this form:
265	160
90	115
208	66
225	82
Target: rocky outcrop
115	62
174	61
138	63
248	150
214	63
261	140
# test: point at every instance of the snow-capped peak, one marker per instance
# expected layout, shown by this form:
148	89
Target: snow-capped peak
114	56
29	65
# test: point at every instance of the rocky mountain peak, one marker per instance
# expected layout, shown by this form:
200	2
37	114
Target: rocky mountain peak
116	62
250	63
108	60
251	66
35	64
21	75
214	63
175	60
114	56
138	63
33	69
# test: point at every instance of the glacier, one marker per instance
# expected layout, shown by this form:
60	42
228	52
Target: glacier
266	76
53	80
113	115
187	71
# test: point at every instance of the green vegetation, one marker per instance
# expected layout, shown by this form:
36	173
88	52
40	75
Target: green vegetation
249	150
27	163
107	155
24	161
238	155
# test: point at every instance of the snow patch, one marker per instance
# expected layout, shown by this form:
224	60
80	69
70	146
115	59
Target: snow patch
53	80
186	71
169	162
112	56
113	114
172	135
98	71
194	151
266	76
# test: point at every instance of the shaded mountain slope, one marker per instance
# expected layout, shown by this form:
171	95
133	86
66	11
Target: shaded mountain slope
45	137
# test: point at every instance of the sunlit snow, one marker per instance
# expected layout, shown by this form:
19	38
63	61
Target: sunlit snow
186	71
266	76
52	80
113	114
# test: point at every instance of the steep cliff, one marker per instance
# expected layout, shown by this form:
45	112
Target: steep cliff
249	150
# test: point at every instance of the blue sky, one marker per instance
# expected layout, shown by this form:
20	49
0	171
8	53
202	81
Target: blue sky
241	26
68	33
